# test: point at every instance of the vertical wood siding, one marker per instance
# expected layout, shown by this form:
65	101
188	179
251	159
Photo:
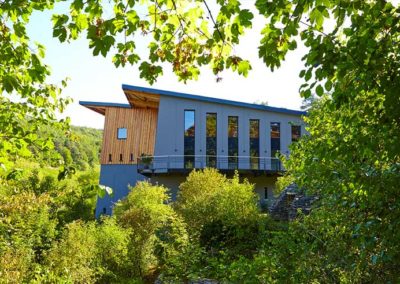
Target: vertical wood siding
141	125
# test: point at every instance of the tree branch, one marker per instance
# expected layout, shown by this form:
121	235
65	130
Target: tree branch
213	20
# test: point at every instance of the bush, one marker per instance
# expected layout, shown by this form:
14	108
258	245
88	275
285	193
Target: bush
112	251
222	212
171	249
153	226
26	233
73	258
90	253
77	198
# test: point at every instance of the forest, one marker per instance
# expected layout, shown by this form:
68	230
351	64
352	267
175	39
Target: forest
214	230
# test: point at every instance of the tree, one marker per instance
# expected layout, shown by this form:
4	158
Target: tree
190	34
351	161
27	100
351	158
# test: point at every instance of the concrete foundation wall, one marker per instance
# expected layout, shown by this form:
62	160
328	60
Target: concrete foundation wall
264	186
118	177
172	182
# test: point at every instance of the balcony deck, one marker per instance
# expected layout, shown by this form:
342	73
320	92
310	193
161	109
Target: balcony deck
160	165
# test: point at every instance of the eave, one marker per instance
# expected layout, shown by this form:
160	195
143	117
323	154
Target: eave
100	107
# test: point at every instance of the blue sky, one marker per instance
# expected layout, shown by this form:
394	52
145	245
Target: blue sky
96	78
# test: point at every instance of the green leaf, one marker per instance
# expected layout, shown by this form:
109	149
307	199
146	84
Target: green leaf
328	85
245	17
119	23
66	172
81	21
308	75
306	94
102	190
14	174
244	67
319	90
3	166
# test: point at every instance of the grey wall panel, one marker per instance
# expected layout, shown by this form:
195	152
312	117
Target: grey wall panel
170	129
260	184
118	177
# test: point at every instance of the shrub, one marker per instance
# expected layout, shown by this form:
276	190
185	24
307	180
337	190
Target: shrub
224	225
153	227
73	258
26	233
207	195
112	251
222	212
89	253
171	247
76	198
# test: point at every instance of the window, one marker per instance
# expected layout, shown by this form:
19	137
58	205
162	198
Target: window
189	139
120	157
254	143
131	157
122	133
233	142
211	139
275	131
109	158
296	133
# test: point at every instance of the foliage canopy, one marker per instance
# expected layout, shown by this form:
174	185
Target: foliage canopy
353	46
351	160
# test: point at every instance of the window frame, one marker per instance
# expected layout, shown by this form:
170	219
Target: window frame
211	159
118	133
254	140
233	161
189	159
292	127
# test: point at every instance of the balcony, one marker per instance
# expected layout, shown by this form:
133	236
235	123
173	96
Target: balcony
151	165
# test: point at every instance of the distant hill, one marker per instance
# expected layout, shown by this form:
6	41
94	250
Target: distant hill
79	147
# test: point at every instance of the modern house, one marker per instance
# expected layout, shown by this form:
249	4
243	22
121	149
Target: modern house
162	136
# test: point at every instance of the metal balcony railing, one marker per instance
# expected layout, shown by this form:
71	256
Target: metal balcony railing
169	163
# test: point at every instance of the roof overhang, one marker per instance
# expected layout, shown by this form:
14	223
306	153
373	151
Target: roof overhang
148	97
140	99
100	107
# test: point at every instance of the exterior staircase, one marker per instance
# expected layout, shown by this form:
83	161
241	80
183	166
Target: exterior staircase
288	203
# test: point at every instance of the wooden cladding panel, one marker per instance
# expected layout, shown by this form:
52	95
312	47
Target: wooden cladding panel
141	125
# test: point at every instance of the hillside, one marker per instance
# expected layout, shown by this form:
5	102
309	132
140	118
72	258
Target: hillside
80	147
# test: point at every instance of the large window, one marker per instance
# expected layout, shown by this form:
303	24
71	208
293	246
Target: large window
296	133
211	139
233	142
189	139
122	133
275	144
254	143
